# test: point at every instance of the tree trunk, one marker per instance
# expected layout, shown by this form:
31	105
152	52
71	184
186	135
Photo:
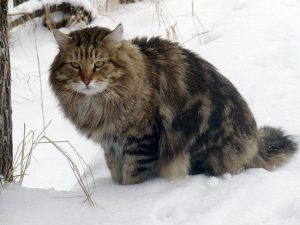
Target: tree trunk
5	97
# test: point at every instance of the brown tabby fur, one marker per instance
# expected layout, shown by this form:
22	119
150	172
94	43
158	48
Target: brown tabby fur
164	110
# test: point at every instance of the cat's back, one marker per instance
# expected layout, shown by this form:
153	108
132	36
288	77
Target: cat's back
186	81
180	71
163	52
155	46
172	58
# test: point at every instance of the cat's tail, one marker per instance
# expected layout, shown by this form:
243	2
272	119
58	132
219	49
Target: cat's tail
276	148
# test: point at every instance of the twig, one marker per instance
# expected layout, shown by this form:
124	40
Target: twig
68	9
197	21
75	170
164	18
22	154
41	87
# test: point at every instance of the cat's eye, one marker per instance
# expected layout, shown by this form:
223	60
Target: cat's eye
98	64
75	65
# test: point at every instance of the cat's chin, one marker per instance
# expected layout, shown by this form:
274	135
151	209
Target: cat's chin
89	91
92	89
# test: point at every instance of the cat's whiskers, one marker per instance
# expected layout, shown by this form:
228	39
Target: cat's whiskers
118	84
106	104
111	106
64	94
109	94
69	97
63	91
74	100
114	98
107	97
120	89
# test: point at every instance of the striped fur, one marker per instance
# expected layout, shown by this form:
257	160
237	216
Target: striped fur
158	109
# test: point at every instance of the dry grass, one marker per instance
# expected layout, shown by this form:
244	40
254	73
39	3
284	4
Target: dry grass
199	27
81	179
113	3
23	155
164	19
30	141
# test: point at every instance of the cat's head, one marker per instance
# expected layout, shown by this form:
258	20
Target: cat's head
88	61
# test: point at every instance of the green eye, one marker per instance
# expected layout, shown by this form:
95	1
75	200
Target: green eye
75	65
98	64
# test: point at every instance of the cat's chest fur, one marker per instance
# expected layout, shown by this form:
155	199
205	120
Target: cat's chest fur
107	134
92	119
111	126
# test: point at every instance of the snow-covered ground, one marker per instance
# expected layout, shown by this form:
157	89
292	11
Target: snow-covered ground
255	43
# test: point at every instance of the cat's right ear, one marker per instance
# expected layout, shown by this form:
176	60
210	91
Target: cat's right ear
63	40
115	36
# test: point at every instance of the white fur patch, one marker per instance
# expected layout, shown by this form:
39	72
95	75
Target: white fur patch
92	89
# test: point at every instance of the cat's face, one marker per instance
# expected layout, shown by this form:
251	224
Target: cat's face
85	62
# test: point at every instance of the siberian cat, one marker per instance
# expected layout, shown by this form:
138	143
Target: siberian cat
157	108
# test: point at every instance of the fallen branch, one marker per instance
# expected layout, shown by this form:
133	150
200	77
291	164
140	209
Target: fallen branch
70	15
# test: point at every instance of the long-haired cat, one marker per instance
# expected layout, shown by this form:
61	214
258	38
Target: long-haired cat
157	108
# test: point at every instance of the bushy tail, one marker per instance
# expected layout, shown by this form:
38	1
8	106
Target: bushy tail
276	147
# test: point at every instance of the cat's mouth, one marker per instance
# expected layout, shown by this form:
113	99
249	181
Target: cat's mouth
92	88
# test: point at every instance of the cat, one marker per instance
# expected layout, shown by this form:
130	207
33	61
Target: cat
158	109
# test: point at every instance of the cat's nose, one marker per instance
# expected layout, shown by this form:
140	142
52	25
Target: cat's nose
86	81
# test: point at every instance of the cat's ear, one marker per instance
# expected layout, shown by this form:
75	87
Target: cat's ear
62	39
115	36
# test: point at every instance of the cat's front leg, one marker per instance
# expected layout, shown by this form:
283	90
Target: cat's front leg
137	168
114	165
174	160
140	159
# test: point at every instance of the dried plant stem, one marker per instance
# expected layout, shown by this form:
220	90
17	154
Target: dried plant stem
75	171
200	29
41	87
30	142
24	155
164	18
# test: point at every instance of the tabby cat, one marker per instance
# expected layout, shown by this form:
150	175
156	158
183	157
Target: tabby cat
158	109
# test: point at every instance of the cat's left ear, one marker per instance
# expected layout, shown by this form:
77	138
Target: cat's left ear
115	36
62	39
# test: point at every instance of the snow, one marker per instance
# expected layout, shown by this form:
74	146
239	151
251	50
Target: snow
255	43
253	197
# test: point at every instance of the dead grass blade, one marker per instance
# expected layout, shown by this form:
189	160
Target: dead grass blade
24	154
164	19
84	185
199	27
29	143
41	86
